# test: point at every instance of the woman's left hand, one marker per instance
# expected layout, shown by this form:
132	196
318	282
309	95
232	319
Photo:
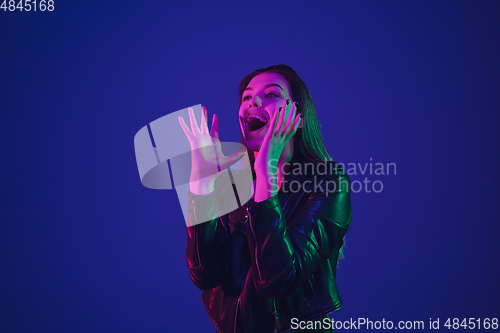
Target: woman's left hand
283	126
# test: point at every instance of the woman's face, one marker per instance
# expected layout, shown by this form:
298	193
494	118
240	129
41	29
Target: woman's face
261	99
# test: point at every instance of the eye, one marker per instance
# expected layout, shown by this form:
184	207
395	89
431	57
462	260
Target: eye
246	98
272	94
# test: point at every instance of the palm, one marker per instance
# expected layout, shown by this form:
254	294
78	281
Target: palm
284	125
207	158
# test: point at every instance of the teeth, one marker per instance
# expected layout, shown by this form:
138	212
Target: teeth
258	117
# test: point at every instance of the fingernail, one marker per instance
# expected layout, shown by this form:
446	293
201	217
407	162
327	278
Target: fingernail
301	116
296	104
287	101
280	109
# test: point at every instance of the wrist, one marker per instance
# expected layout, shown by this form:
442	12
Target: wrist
266	187
266	166
266	172
202	186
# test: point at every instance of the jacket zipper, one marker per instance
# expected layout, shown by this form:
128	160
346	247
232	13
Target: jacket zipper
277	324
236	313
196	248
254	245
195	236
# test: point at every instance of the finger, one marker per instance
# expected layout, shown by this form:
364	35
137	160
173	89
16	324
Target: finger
284	119
295	127
184	127
279	127
214	131
194	124
290	119
273	122
204	120
231	159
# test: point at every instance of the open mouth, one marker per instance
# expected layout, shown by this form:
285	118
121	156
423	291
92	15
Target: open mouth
256	122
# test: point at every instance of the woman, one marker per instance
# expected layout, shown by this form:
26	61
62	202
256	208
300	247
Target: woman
273	268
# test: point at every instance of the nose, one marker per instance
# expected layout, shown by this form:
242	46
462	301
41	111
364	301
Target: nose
256	102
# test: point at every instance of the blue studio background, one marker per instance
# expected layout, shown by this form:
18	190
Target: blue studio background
84	247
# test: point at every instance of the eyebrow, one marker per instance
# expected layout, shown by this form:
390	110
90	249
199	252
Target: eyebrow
267	86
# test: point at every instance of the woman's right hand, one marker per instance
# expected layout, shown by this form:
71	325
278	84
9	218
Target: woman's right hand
207	159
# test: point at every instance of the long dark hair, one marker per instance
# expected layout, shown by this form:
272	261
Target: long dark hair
308	143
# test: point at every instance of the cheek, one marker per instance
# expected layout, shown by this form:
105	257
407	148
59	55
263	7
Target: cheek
274	106
271	114
279	101
242	110
240	119
241	114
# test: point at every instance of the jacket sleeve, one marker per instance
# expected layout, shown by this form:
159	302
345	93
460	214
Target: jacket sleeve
206	251
285	253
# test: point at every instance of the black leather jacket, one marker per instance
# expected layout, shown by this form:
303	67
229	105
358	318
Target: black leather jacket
280	262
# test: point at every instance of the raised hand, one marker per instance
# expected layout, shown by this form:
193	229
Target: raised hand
284	125
207	159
